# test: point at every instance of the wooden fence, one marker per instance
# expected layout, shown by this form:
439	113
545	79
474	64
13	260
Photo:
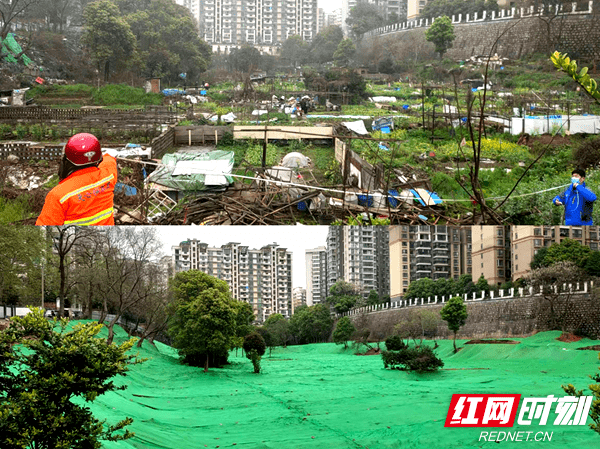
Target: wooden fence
26	151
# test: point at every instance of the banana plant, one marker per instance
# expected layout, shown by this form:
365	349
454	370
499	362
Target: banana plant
564	63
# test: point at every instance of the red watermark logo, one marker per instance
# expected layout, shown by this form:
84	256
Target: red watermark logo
482	410
500	410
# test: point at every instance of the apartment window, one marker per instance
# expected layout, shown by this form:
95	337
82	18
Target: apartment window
593	235
576	233
500	263
481	264
501	273
405	283
404	251
516	268
564	232
405	267
482	256
500	253
481	246
537	243
594	246
405	259
500	242
404	243
537	231
499	233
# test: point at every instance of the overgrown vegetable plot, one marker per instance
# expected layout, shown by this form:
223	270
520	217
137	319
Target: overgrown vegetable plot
323	396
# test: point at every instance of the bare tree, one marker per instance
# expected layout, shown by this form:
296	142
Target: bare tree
127	256
66	239
10	10
151	311
555	285
88	259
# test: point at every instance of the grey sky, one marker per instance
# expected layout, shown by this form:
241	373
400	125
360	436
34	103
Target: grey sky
329	5
295	238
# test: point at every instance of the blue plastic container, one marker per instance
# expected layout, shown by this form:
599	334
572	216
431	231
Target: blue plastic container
392	200
302	206
365	200
385	130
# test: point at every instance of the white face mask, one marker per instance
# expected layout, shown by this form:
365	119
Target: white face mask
574	180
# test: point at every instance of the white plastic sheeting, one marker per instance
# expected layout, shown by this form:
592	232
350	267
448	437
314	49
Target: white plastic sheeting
295	160
575	124
211	169
358	127
383	99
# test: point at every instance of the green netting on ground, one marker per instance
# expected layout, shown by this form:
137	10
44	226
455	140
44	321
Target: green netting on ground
340	399
11	44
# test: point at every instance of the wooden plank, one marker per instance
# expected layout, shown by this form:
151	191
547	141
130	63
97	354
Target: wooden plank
283	132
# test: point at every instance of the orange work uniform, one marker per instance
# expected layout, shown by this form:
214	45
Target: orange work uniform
85	197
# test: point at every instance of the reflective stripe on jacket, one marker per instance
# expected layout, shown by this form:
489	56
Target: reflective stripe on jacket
85	197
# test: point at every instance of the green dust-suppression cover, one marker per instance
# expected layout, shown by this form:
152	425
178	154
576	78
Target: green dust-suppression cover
164	174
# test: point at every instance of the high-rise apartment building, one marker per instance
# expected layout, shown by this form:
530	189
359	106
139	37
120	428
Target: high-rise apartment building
227	24
316	275
414	8
261	277
334	18
491	253
298	297
526	241
433	252
359	255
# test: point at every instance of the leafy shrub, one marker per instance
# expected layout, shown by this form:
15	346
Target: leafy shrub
421	359
255	342
394	343
255	347
395	359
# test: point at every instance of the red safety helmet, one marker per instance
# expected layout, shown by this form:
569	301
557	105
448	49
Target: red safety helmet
83	149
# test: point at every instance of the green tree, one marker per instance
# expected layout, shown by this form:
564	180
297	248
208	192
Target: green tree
386	65
325	44
364	17
592	265
295	50
107	35
373	298
20	251
202	322
421	288
539	258
441	33
344	52
482	284
279	328
343	331
567	250
455	314
254	345
244	59
47	374
343	296
311	324
167	38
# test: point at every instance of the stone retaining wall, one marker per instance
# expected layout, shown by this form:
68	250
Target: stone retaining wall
519	317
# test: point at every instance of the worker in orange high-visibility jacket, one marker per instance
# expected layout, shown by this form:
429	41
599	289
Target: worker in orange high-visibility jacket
85	193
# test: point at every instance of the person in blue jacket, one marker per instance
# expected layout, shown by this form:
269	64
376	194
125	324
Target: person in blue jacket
578	201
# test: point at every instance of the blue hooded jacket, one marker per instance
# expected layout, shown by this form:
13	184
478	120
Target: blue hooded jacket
579	204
